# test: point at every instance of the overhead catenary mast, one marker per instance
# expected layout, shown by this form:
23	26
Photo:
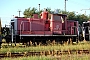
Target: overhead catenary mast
39	7
65	5
85	10
19	12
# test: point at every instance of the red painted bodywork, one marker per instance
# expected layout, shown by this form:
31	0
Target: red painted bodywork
72	27
39	26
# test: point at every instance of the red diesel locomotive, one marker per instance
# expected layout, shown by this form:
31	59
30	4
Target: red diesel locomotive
56	27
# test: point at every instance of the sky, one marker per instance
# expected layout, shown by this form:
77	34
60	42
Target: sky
8	8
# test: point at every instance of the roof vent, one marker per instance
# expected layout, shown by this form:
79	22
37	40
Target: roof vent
56	11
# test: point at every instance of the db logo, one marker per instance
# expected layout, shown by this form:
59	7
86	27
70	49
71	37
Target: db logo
57	26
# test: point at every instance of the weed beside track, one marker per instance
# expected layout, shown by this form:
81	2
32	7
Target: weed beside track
57	51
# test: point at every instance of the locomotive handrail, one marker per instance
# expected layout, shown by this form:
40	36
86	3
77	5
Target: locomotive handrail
21	27
72	28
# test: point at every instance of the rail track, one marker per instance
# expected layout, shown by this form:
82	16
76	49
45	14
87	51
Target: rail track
46	53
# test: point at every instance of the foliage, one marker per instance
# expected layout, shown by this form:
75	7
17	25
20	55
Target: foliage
70	15
29	12
61	57
82	18
4	31
46	48
31	58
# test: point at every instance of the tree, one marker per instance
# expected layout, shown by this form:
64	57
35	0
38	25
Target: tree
71	16
82	18
29	12
49	10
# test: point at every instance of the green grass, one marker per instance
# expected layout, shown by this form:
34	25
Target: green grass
30	58
79	46
45	48
75	57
